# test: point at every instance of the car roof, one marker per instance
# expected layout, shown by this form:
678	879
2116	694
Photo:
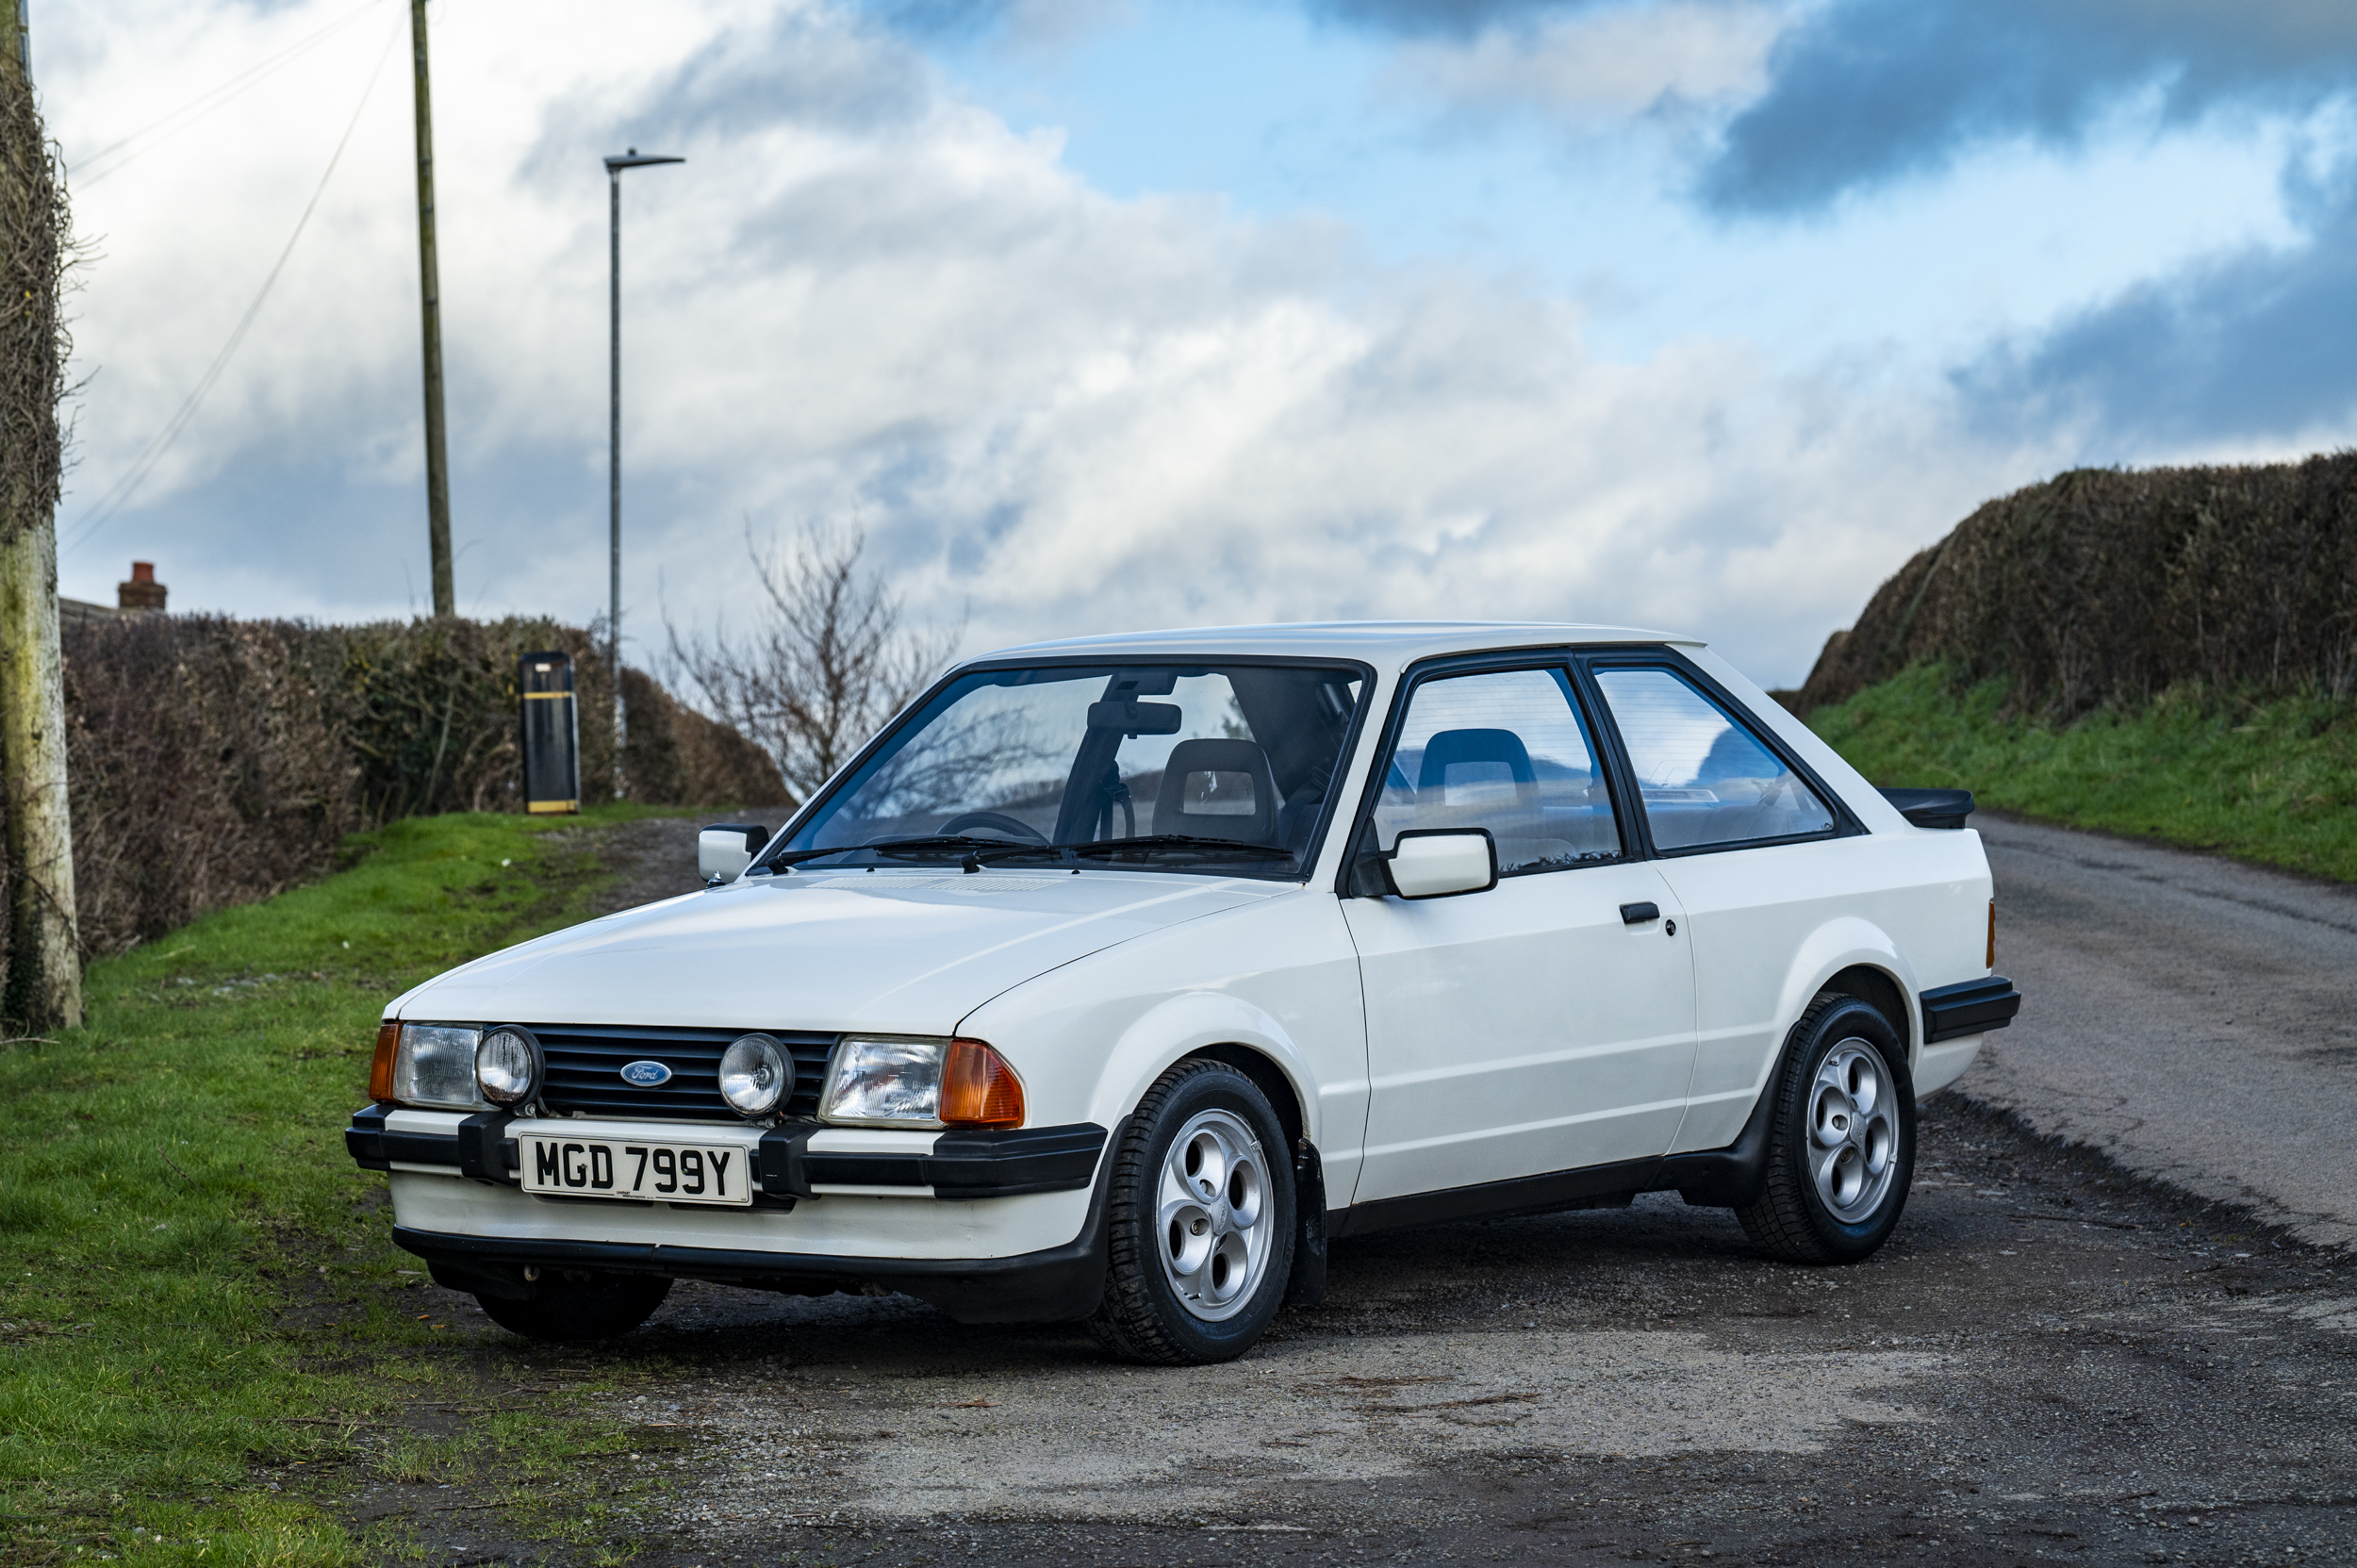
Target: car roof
1386	644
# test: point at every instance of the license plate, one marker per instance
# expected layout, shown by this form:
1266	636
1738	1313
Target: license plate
612	1168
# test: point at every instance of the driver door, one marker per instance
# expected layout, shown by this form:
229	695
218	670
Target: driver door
1541	1025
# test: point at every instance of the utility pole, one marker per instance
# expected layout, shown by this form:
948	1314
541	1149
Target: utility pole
614	167
430	292
43	987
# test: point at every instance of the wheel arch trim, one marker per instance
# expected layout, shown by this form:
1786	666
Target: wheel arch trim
1214	1026
1858	958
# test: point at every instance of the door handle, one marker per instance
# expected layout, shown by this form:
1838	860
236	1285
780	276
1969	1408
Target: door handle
1637	915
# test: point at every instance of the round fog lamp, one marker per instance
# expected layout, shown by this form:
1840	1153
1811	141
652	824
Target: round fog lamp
757	1075
507	1066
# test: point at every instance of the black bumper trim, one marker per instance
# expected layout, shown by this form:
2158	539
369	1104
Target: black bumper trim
963	1164
375	1147
1974	1007
1004	1164
1055	1284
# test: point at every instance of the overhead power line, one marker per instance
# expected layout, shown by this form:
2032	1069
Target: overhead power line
95	167
119	494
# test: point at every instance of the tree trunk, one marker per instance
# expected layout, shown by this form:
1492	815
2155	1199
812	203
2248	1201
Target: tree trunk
44	988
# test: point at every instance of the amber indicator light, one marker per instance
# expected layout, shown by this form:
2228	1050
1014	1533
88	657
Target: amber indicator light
381	1070
978	1088
1992	933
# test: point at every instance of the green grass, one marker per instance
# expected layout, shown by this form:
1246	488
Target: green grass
201	1313
2271	780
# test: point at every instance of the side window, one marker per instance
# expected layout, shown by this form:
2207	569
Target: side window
1506	751
1704	778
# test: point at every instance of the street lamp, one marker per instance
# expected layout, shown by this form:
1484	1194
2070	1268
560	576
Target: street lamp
634	158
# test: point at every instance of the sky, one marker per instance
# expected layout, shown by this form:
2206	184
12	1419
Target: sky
1100	315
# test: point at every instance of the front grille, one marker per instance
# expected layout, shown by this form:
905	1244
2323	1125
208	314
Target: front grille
585	1060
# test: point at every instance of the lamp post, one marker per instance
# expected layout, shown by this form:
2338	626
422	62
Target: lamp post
634	158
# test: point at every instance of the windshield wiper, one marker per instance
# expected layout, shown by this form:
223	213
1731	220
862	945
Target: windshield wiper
977	851
1183	843
951	843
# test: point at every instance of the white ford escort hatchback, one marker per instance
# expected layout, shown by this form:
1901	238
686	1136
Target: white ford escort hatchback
1118	976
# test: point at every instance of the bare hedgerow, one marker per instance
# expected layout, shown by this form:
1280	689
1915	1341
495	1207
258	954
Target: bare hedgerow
213	762
2109	586
827	664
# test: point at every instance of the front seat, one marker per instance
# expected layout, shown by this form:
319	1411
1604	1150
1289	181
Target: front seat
1237	800
1482	751
1484	778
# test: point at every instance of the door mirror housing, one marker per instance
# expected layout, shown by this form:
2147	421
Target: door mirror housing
725	849
1441	862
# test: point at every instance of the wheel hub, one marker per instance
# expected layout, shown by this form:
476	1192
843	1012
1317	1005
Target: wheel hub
1215	1222
1854	1131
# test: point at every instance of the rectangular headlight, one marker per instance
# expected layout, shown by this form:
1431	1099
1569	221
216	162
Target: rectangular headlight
434	1066
885	1080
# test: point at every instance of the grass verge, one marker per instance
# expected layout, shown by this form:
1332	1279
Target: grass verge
200	1308
2270	779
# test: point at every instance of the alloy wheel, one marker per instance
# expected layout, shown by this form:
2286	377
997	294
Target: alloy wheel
1853	1130
1215	1222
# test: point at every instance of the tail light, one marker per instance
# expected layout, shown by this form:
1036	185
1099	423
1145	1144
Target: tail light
1992	933
381	1070
979	1089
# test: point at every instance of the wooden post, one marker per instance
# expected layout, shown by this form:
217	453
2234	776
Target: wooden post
430	293
43	987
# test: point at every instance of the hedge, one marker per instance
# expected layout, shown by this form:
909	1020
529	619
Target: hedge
215	761
2106	587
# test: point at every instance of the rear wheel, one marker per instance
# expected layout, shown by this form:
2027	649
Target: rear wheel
1841	1143
581	1307
1200	1223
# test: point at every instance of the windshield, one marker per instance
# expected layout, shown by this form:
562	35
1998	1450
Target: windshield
1176	766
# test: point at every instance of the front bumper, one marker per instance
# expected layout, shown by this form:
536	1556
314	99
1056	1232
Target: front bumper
840	1208
961	1165
1054	1284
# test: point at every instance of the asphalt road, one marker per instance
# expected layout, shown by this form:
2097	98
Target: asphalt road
2127	1349
2192	1017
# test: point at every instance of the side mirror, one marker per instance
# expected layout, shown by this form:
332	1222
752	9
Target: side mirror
725	849
1439	862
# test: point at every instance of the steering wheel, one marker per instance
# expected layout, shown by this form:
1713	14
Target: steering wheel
1023	830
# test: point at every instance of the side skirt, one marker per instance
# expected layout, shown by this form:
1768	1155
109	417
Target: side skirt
1727	1177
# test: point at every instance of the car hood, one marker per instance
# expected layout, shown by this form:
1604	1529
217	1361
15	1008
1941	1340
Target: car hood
904	952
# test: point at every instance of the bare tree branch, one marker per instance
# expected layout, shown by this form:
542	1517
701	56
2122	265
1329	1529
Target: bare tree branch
829	664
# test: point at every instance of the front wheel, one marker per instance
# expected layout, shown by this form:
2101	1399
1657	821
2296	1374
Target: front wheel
1841	1142
1200	1221
588	1307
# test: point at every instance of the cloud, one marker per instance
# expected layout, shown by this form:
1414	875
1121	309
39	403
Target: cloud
865	298
1459	19
1863	92
2252	346
1021	23
1595	66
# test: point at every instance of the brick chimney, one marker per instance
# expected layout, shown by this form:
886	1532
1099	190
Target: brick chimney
143	592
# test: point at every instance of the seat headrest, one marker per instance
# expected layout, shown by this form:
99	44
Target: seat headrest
1456	748
1218	789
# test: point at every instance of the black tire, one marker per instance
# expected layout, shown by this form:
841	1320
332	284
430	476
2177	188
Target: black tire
1795	1220
1143	1317
581	1307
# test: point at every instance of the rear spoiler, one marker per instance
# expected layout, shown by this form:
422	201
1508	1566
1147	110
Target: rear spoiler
1932	808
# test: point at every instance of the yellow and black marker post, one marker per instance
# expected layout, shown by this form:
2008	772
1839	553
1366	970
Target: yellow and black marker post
552	733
